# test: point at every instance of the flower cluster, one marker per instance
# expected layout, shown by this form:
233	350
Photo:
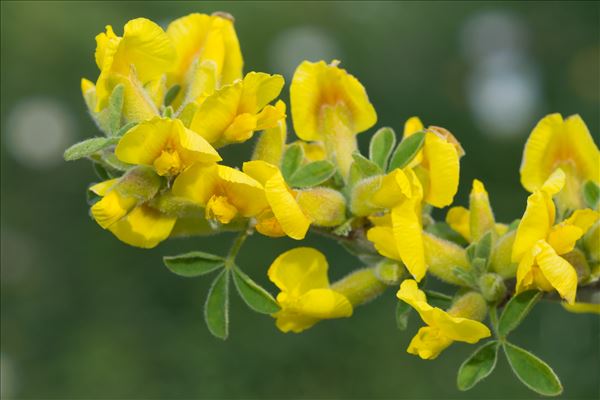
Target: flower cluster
169	100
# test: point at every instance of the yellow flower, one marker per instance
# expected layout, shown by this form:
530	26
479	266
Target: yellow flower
165	144
437	163
233	113
143	54
305	297
566	144
443	327
203	40
330	105
398	234
539	242
224	192
136	224
284	216
474	223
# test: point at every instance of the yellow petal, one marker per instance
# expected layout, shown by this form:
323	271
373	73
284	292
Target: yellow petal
143	227
407	233
217	112
583	219
412	126
395	188
582	308
203	37
197	183
428	343
299	270
220	209
443	168
410	293
285	208
259	89
456	328
111	208
555	182
242	191
324	304
102	188
241	128
561	275
144	143
318	85
382	238
554	142
535	224
289	321
193	147
562	237
459	220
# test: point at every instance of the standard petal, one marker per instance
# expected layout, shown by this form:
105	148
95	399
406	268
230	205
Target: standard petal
412	126
143	143
443	167
535	224
259	90
299	270
193	147
197	183
457	328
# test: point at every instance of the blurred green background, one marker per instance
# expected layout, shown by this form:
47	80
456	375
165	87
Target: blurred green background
84	316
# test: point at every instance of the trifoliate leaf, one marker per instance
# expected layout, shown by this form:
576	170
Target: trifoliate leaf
478	366
533	372
402	313
291	160
381	146
193	264
255	296
88	147
407	150
312	174
591	194
515	311
216	308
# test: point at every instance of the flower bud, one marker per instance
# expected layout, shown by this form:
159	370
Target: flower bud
577	259
360	286
492	286
501	261
323	206
140	182
389	272
471	305
481	215
362	193
442	256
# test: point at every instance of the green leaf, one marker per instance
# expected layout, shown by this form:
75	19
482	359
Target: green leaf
478	366
101	172
291	160
515	310
402	313
533	372
479	265
255	296
312	174
438	299
381	146
171	94
216	308
115	107
88	147
365	166
111	160
483	249
591	194
407	150
193	264
465	277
